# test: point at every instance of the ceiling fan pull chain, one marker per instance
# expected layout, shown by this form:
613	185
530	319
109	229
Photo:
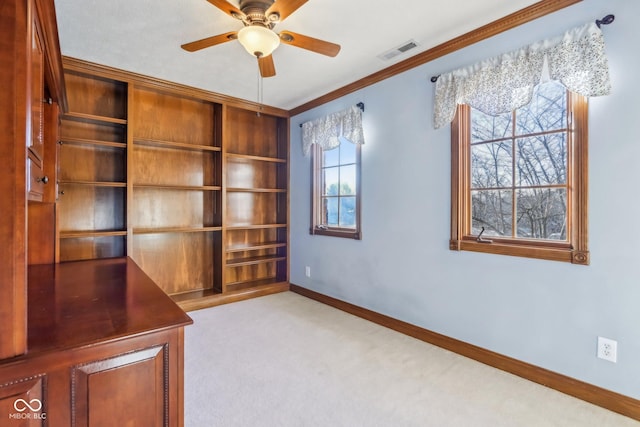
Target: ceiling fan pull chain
259	91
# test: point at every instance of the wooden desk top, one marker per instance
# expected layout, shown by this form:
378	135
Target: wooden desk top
77	304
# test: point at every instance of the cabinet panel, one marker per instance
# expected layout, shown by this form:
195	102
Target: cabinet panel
245	239
166	208
35	179
247	173
248	276
167	117
83	131
36	142
91	208
253	135
125	390
84	248
22	402
91	163
179	262
246	208
96	96
167	166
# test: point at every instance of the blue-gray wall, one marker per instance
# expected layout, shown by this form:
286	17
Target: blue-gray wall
542	312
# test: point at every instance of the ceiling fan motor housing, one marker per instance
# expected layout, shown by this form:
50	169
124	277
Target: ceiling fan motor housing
254	11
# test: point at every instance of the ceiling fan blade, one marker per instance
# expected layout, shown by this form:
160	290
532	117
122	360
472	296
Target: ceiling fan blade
267	68
227	8
209	41
284	8
309	43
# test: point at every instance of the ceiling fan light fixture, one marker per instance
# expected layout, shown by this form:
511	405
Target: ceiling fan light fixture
259	41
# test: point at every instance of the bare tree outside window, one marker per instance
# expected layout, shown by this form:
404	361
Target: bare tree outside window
522	177
519	168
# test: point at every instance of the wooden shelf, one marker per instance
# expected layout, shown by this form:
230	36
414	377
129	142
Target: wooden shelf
255	226
254	284
95	183
255	260
176	230
92	118
244	247
81	141
180	187
256	190
194	295
92	233
257	158
198	299
175	145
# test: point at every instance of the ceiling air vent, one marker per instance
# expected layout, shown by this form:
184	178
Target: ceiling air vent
398	50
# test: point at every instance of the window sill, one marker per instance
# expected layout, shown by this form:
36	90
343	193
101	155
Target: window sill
337	232
550	252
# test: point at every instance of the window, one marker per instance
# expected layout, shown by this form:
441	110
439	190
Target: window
335	209
519	180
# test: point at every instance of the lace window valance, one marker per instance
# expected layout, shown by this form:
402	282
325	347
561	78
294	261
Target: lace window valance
327	131
502	84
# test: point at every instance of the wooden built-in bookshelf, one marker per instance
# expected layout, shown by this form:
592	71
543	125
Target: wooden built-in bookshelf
192	187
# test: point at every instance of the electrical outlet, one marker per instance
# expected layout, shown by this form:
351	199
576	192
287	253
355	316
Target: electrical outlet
608	349
307	271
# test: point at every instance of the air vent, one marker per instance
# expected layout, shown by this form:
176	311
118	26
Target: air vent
399	50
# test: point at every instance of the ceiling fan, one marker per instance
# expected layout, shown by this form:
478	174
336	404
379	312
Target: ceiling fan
257	36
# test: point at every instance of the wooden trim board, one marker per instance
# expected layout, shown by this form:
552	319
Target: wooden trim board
607	399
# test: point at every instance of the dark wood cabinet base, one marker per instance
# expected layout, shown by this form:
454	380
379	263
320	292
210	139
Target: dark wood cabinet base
105	349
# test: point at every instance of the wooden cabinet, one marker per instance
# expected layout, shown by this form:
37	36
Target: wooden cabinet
191	185
98	343
30	71
105	348
36	178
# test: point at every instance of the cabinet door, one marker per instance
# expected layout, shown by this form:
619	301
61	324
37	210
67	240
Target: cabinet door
126	390
22	403
35	152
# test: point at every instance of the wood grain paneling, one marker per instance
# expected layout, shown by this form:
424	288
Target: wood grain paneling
167	166
241	277
178	262
85	248
83	131
91	208
13	122
246	208
96	96
92	163
254	238
163	208
248	133
168	117
41	236
248	173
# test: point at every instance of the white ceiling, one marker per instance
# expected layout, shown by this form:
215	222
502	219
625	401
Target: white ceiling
144	36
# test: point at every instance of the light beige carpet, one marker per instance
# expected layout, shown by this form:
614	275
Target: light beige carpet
285	360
